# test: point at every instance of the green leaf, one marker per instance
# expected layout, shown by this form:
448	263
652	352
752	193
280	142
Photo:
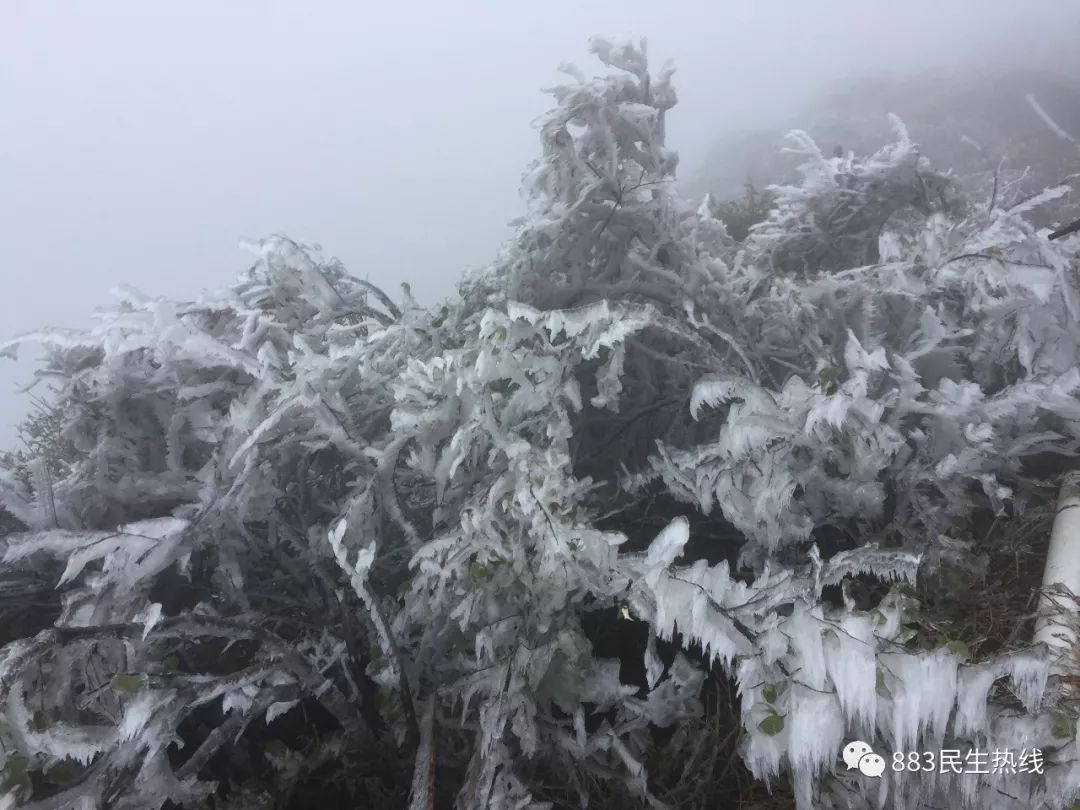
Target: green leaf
772	725
480	571
828	632
769	692
60	774
830	378
1062	727
16	767
879	617
960	649
905	589
15	775
385	704
407	287
955	580
127	682
275	748
879	685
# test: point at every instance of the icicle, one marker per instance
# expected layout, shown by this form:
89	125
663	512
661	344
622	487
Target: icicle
852	667
805	630
817	729
973	689
1029	670
924	691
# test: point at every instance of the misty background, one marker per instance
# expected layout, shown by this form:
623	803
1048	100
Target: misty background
140	141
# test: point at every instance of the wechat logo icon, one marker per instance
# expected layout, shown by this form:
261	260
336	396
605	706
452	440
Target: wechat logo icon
858	754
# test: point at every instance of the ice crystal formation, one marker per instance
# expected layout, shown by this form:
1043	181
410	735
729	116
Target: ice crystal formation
305	498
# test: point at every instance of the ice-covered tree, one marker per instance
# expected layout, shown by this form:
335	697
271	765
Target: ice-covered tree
318	544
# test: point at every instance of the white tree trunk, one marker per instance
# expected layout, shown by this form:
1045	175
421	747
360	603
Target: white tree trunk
1062	569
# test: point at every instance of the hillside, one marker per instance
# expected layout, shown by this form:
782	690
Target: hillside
969	124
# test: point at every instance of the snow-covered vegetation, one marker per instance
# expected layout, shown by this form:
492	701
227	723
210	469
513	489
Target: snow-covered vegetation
986	124
312	543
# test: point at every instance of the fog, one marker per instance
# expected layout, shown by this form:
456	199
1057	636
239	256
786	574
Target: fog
141	140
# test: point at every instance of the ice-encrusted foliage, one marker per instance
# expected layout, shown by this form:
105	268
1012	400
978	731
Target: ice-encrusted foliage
834	219
604	219
214	441
356	542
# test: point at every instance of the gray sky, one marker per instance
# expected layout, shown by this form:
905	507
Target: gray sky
140	140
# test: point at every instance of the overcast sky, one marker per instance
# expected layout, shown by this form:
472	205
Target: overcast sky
140	140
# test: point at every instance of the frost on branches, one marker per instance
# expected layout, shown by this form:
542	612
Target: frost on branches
320	545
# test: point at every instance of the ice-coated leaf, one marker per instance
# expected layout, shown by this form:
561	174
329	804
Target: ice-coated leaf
128	682
772	725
